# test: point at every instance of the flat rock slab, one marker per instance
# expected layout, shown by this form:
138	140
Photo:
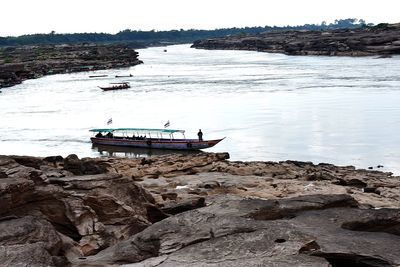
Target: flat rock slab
304	231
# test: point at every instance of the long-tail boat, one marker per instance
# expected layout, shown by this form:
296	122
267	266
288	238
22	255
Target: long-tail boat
98	76
149	138
123	76
116	86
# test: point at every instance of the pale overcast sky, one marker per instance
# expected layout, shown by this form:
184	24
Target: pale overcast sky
43	16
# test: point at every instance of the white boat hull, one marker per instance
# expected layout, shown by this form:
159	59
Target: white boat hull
179	144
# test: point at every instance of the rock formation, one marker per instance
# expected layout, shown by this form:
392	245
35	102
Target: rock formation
67	214
195	210
29	62
379	40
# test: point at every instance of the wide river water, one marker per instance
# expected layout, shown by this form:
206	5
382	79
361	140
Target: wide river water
339	110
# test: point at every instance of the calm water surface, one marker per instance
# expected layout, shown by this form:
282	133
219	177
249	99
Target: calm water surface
270	107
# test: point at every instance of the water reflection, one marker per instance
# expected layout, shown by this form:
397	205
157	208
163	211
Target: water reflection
135	152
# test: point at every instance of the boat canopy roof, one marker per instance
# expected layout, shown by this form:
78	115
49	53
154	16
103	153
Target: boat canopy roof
141	130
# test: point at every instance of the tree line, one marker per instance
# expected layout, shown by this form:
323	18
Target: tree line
146	38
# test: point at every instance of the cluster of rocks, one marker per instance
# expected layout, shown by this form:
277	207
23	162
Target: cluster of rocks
380	40
29	62
195	210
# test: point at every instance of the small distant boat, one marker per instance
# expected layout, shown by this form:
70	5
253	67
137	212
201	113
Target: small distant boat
148	138
123	76
165	50
97	76
116	86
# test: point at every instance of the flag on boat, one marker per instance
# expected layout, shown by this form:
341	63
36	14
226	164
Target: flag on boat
109	121
166	124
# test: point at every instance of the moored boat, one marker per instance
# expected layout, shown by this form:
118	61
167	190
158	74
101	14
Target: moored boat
149	138
123	76
98	76
116	86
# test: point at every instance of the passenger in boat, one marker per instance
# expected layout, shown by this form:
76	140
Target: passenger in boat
200	135
99	134
109	135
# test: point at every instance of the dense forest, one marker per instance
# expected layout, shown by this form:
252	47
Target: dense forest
146	38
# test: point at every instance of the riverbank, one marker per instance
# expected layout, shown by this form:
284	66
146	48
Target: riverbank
369	41
30	62
198	210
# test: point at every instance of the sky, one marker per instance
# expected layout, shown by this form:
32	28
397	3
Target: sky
20	17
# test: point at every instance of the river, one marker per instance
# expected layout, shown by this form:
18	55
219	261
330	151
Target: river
339	110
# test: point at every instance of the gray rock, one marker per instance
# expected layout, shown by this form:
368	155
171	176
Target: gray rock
29	241
232	232
26	255
28	229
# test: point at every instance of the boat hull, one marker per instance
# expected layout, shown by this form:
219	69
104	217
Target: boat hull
113	88
178	144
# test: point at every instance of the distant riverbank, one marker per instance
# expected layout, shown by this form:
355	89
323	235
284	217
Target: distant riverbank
29	62
382	40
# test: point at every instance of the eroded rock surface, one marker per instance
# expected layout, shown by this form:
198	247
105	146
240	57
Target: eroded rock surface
195	210
180	178
84	213
301	231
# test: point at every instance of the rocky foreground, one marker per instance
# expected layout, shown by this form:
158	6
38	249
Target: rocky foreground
379	40
195	210
29	62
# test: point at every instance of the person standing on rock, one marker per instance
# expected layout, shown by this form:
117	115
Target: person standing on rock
200	135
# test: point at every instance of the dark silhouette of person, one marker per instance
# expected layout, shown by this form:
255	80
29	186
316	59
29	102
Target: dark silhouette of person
200	135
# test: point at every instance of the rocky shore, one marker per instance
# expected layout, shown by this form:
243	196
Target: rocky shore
29	62
195	210
383	39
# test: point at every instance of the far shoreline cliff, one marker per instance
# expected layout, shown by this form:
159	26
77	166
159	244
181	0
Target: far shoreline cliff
18	64
383	40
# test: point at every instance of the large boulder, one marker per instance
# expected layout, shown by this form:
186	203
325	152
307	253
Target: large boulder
85	166
91	212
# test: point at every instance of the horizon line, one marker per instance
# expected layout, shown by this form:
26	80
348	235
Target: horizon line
188	29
